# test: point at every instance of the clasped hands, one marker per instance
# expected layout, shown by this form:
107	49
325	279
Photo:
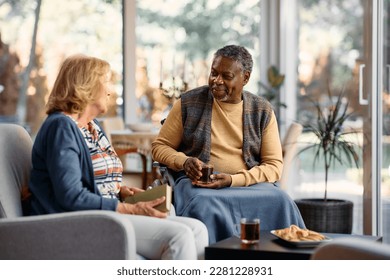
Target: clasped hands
193	169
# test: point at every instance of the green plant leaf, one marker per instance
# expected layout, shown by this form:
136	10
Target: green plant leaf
274	78
328	128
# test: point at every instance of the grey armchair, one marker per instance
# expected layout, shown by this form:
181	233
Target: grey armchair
352	249
77	235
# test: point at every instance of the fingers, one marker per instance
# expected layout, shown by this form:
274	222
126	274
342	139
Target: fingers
150	211
212	185
142	208
125	192
156	201
222	181
192	167
136	190
155	213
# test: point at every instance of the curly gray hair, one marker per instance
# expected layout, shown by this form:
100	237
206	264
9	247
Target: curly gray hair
237	53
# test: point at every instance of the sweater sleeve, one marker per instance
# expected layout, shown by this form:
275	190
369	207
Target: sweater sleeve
164	147
271	165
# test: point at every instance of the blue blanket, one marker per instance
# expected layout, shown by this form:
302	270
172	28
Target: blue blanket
221	209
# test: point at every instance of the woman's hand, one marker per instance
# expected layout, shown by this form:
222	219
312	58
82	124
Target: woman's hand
144	208
126	191
193	169
220	180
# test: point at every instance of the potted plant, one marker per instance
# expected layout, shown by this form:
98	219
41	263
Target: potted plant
275	80
332	145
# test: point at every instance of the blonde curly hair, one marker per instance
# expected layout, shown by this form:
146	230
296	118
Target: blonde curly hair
79	79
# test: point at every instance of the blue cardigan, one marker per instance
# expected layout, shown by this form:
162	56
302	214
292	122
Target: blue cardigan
62	176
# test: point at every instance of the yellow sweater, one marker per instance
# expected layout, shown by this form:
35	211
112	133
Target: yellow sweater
226	145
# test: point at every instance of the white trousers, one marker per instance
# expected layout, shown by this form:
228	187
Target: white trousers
173	238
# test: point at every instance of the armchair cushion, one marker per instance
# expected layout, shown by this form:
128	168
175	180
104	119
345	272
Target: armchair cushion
90	235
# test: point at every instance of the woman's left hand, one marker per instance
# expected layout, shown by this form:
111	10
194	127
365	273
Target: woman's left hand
220	180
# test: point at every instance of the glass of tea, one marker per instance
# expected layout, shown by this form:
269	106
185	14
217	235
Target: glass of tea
207	170
250	230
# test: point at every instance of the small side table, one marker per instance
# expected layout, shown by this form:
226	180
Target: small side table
269	248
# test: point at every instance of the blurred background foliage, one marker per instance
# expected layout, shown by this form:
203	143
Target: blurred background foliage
40	34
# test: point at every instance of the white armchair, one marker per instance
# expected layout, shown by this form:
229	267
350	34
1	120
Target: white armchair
352	249
76	235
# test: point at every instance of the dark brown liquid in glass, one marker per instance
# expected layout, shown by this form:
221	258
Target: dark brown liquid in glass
250	232
206	172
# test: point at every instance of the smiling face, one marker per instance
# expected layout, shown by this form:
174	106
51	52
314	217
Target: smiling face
227	80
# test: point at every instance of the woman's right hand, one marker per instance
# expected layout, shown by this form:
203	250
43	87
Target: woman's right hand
144	208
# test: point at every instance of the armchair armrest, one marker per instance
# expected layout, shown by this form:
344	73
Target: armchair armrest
352	249
88	235
165	174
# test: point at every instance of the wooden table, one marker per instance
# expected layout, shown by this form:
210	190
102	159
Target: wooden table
269	248
143	142
137	139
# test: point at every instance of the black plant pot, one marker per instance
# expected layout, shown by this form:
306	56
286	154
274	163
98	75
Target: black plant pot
333	216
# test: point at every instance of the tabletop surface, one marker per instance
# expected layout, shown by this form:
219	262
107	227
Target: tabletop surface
269	247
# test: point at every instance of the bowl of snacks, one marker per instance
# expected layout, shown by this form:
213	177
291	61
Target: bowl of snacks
300	237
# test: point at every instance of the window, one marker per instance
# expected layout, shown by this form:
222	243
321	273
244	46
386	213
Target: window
92	27
175	44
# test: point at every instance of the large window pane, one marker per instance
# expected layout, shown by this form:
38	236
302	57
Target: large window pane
175	42
91	27
330	52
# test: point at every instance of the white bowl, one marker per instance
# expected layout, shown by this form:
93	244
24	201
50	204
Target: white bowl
140	127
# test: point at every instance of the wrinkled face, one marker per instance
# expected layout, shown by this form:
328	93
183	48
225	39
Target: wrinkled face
227	80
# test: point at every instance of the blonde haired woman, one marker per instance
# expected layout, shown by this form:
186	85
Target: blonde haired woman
75	168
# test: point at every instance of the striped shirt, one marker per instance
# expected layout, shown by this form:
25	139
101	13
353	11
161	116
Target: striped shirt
106	164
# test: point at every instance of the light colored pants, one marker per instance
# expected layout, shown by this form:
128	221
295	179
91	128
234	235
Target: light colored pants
173	238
